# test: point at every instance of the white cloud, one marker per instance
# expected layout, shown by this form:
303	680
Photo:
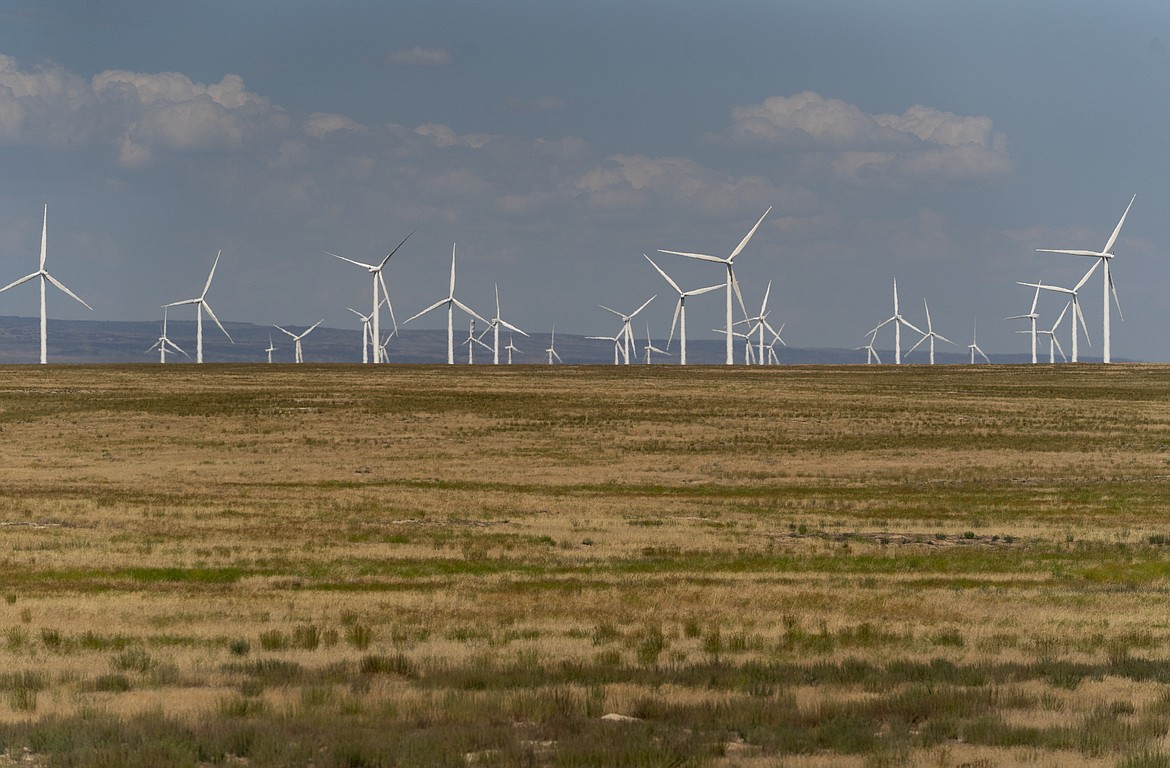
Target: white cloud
921	143
420	57
321	124
442	136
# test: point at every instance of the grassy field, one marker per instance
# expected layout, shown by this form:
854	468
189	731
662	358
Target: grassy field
343	566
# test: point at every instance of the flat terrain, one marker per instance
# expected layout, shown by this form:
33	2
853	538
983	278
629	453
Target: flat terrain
817	566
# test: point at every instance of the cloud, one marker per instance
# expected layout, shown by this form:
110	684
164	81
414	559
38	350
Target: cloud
635	181
321	124
420	57
442	136
921	143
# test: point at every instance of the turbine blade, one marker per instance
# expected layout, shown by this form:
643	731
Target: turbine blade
1071	252
44	236
701	291
351	261
1116	301
1112	238
452	293
748	236
1079	315
673	284
15	283
172	304
290	334
639	309
436	305
674	321
1088	274
210	275
469	310
386	295
379	267
699	256
217	322
62	287
511	327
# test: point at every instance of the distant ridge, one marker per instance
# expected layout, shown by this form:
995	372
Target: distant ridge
125	341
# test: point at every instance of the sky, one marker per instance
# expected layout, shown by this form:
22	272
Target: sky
936	143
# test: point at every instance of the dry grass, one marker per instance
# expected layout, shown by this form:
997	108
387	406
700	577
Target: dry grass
798	566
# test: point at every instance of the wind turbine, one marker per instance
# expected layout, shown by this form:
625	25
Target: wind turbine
680	311
974	345
650	346
1077	314
164	342
45	277
512	348
871	354
625	337
297	337
1052	340
729	264
379	282
1031	317
898	322
270	349
367	334
773	358
1103	256
930	334
451	303
617	345
472	341
761	321
201	304
552	343
496	322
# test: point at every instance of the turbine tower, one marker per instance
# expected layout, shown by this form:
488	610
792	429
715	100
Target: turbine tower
731	283
45	277
1103	256
451	303
297	337
898	322
379	282
680	311
201	304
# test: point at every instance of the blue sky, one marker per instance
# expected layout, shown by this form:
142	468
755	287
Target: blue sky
937	143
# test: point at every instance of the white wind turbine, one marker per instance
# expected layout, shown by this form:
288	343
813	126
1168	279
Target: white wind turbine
472	341
1103	256
270	349
680	311
649	348
164	342
368	338
297	337
1076	305
898	322
496	322
1053	342
552	347
761	323
379	282
451	303
729	264
512	348
871	354
1031	317
617	345
773	358
200	305
45	277
930	334
974	345
625	337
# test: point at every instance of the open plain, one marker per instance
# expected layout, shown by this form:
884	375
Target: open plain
799	566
